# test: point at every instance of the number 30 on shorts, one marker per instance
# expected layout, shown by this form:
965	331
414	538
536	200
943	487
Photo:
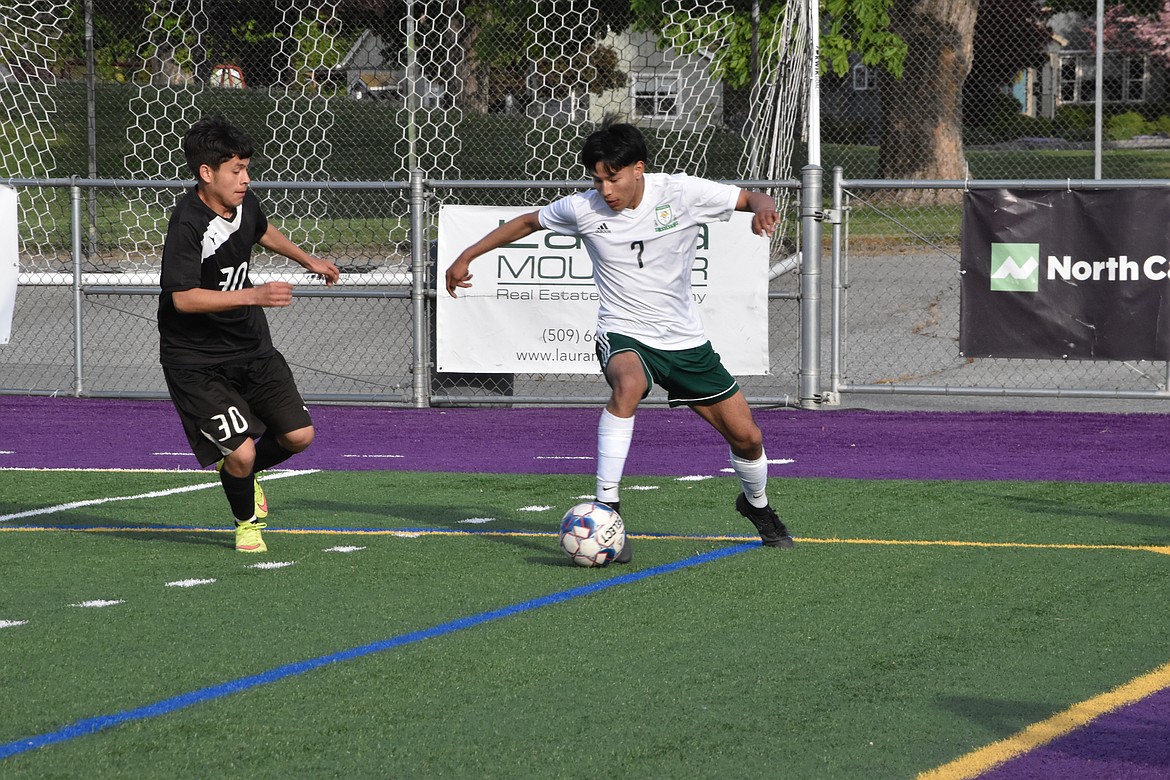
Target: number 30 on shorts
230	424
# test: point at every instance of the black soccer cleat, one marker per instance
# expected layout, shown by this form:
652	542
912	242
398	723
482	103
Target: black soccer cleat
627	553
772	531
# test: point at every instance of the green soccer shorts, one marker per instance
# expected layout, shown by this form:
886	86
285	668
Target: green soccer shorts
690	377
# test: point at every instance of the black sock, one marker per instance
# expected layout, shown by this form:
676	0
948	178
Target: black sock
240	495
269	453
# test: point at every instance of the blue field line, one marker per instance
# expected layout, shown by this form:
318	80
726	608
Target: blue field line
98	723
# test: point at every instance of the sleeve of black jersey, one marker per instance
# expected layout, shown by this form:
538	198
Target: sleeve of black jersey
253	204
182	263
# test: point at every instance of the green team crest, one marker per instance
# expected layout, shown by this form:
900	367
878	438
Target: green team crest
664	217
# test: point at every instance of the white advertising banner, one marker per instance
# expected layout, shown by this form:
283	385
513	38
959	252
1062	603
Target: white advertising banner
532	308
9	260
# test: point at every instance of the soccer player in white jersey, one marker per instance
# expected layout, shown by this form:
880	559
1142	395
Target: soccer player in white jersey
641	232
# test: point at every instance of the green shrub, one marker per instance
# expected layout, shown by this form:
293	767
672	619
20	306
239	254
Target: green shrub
1124	126
1073	123
997	118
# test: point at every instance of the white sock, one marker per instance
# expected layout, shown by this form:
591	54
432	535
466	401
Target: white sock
614	435
754	476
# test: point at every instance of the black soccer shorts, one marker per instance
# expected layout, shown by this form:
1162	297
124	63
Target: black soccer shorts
220	406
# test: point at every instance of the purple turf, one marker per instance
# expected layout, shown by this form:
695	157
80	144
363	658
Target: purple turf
69	432
1133	742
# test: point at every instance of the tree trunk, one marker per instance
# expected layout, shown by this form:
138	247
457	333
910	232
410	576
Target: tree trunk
922	124
473	96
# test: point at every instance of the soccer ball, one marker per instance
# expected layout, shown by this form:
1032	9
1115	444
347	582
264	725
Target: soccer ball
592	534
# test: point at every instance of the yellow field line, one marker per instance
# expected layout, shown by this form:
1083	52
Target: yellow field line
1041	733
1163	549
413	532
405	532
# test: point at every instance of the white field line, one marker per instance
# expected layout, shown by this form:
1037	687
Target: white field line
107	470
48	510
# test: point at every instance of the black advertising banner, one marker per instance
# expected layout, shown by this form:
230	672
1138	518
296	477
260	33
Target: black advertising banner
1066	274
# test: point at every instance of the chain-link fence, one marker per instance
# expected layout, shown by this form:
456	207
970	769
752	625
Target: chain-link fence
346	99
897	306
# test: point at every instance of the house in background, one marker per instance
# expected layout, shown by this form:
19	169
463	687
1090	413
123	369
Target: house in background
1070	75
369	75
851	104
663	89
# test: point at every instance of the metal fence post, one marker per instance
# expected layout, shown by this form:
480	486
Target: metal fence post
837	278
75	231
418	289
811	214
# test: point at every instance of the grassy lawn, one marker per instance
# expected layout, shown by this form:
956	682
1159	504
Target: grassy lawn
367	142
860	162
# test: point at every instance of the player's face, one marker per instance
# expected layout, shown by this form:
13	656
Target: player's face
622	189
224	187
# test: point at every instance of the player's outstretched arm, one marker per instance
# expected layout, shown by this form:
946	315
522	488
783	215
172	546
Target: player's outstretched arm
763	207
514	229
275	241
200	301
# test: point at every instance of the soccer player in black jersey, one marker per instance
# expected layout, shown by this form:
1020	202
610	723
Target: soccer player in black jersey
233	390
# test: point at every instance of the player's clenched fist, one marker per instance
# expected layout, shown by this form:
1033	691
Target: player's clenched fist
273	294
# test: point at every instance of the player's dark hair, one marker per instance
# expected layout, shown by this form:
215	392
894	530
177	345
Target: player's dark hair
213	141
615	145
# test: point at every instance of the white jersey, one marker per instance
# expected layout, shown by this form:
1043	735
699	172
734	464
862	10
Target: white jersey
642	257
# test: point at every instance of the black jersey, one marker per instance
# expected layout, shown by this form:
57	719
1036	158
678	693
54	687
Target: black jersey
203	249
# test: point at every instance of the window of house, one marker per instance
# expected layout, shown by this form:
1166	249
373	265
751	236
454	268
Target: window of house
863	78
1070	79
1137	77
1124	77
656	96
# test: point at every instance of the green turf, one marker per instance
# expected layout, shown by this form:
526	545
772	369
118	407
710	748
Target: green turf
831	660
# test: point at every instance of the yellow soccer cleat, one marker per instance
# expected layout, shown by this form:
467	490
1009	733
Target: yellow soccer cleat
261	499
248	538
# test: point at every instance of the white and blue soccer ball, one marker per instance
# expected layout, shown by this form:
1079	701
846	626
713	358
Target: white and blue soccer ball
592	534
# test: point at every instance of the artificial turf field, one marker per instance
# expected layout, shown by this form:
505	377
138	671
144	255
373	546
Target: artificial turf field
426	624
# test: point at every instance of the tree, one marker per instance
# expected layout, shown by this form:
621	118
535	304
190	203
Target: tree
860	27
237	31
496	42
1010	36
922	114
500	61
1132	32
